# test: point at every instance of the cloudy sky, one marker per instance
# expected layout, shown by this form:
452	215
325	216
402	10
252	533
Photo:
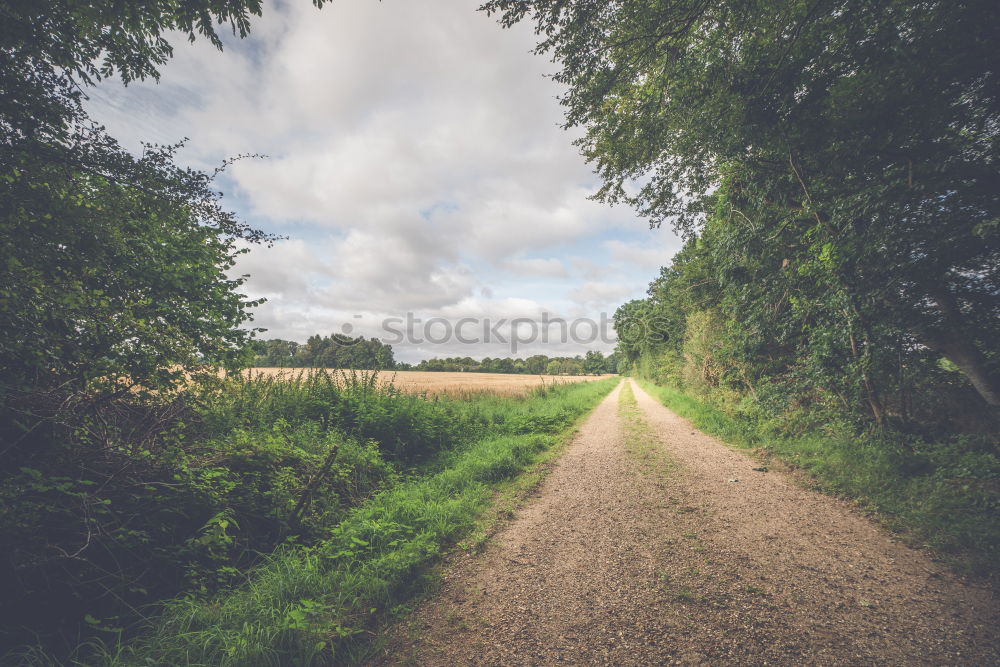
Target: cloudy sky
415	164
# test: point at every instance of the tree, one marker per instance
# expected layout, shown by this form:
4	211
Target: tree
862	136
102	38
277	353
535	364
334	351
503	365
114	266
612	362
594	363
50	48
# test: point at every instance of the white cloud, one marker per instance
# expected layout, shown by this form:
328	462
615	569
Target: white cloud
550	267
416	146
652	254
601	295
269	272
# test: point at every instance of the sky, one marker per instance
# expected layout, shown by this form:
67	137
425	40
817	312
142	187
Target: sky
415	164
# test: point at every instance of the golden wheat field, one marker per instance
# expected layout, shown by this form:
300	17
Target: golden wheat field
452	384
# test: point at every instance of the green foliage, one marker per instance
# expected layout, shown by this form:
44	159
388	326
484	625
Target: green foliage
113	288
113	270
335	351
841	154
100	39
315	599
103	530
116	275
594	363
180	495
408	427
318	604
730	319
114	266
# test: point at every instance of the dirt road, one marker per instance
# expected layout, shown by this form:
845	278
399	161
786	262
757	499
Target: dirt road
652	543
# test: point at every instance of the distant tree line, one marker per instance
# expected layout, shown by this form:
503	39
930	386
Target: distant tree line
593	363
340	351
333	351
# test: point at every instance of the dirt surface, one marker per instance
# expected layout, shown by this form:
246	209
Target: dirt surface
622	560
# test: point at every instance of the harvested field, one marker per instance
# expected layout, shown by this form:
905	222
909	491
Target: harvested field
452	384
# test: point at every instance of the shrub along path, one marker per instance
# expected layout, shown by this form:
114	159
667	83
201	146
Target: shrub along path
652	543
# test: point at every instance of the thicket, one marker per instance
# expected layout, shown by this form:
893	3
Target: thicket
325	604
114	266
188	495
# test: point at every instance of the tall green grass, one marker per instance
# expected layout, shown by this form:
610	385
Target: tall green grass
942	495
180	496
409	428
324	603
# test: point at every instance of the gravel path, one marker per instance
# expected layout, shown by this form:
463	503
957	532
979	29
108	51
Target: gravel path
622	560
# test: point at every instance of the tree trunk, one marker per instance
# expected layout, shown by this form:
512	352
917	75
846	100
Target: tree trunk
952	342
874	402
959	350
863	360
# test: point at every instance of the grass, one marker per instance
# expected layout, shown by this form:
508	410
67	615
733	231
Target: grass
325	603
192	492
511	493
639	439
937	496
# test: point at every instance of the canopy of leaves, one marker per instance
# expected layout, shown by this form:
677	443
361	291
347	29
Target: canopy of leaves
334	351
114	266
855	142
96	39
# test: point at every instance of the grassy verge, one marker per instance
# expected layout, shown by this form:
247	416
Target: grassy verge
639	439
509	494
934	496
324	603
